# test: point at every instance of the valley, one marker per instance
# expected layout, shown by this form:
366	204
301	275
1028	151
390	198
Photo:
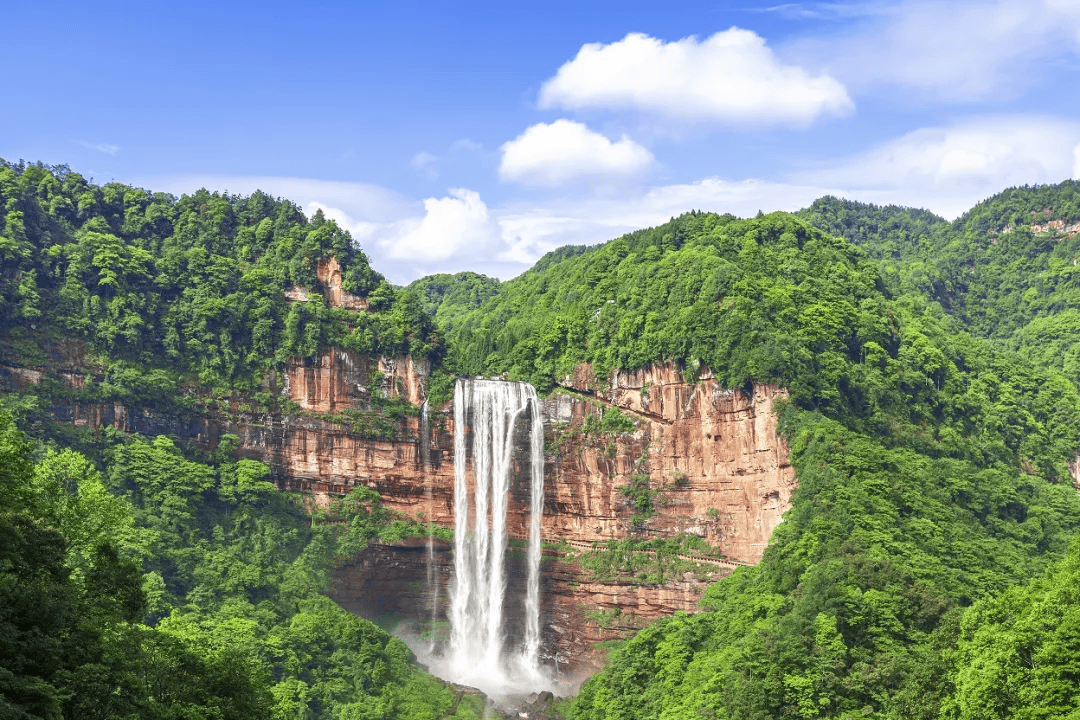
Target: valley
794	465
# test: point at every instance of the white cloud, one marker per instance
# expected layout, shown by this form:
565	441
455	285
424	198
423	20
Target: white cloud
948	169
99	147
730	77
555	153
963	50
426	164
450	225
1076	162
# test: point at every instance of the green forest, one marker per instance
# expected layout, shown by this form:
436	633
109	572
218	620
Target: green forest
929	566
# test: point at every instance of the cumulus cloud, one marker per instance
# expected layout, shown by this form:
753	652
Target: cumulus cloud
948	169
1076	162
449	225
730	77
964	50
550	154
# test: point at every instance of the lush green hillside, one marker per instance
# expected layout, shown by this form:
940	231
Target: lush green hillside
930	427
1019	653
170	293
1006	267
901	239
887	232
931	464
446	296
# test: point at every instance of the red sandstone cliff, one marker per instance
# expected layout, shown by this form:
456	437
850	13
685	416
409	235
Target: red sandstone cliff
713	460
712	455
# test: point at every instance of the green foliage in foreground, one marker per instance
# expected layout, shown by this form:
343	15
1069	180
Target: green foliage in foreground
168	588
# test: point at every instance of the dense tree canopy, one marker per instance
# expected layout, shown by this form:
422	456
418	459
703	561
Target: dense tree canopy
1006	268
171	291
923	571
166	587
932	464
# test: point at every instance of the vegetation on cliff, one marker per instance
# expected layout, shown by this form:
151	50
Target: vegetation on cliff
170	294
932	464
934	414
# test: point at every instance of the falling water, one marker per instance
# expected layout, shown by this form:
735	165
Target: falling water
536	509
492	410
432	575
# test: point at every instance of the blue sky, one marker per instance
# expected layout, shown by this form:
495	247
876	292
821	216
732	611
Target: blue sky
477	136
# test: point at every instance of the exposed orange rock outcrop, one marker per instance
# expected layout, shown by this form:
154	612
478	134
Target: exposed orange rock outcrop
328	271
714	461
713	456
337	379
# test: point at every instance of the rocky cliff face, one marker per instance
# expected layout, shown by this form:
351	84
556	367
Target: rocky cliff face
712	457
714	462
407	587
708	458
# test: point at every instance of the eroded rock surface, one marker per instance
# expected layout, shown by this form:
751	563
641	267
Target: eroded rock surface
713	463
390	583
712	456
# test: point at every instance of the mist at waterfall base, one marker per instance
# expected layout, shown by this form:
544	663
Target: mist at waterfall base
479	653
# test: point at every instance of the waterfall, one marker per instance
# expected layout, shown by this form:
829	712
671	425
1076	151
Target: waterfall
432	572
536	509
492	409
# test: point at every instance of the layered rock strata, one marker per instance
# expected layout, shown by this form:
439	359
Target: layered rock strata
709	459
